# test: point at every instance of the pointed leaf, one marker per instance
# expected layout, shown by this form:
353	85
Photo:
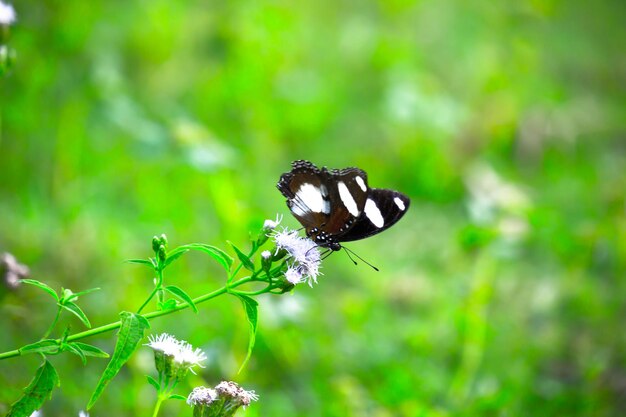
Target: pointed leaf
69	347
81	293
245	260
177	397
37	391
140	262
216	253
90	350
182	295
173	257
128	339
154	383
49	346
41	285
74	309
251	308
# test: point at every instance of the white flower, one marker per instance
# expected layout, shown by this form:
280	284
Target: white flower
272	224
35	413
83	414
7	14
181	352
294	276
201	396
304	253
266	254
164	343
233	391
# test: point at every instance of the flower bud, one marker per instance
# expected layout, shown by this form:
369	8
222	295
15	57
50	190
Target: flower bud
156	242
162	253
266	260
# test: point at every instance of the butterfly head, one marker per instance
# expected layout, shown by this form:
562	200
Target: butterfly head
323	239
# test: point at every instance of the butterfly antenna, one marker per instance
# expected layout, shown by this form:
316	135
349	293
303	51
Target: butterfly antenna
348	252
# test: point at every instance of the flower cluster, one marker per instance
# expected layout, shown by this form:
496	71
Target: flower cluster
221	401
304	256
174	357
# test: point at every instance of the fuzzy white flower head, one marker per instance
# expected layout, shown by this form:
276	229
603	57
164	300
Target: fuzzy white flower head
164	343
7	14
83	414
189	356
179	351
305	255
272	224
201	396
233	391
36	413
266	254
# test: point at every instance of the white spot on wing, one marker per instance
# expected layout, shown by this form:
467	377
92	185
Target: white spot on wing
347	199
399	203
312	197
373	213
361	183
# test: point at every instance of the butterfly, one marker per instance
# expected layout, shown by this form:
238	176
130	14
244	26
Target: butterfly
337	205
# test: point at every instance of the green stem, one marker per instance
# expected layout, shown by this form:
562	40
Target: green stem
54	323
145	303
157	406
149	316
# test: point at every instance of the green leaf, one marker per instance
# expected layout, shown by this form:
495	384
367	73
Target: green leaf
251	308
172	258
154	383
81	293
245	260
74	309
182	295
37	391
216	253
41	285
69	347
177	397
90	350
128	339
49	346
140	262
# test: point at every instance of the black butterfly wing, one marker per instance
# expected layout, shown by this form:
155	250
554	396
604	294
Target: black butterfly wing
381	210
330	201
348	192
307	194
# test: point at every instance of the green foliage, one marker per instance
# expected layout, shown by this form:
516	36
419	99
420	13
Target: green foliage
37	392
251	307
128	340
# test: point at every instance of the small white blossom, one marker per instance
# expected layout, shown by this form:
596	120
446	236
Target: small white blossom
201	396
179	351
272	224
294	276
7	14
164	343
231	390
266	254
83	414
36	414
305	255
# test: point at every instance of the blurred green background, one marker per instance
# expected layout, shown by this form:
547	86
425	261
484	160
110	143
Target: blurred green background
502	290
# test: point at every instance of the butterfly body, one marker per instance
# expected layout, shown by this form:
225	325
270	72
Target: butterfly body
337	205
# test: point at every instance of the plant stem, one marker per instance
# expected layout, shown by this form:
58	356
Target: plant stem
160	399
145	303
54	323
149	316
